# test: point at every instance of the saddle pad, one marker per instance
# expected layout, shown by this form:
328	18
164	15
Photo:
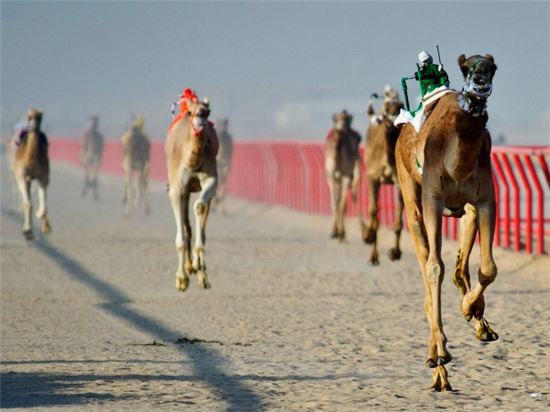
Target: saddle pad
420	116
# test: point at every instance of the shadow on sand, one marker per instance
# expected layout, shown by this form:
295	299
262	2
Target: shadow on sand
207	364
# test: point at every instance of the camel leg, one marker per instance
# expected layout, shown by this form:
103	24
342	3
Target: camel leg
370	235
434	271
334	187
182	280
202	208
395	252
144	195
86	179
15	198
473	302
187	235
413	209
94	179
24	186
342	206
128	193
42	212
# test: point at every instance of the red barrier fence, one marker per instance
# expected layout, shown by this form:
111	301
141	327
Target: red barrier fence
291	174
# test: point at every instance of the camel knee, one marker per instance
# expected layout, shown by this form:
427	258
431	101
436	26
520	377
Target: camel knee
487	275
200	208
435	271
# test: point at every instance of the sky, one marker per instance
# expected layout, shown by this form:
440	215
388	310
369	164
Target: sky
277	70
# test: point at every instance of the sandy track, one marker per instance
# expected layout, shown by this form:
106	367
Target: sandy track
91	317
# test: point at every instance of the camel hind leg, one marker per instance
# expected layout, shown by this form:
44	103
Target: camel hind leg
395	252
202	209
335	188
143	189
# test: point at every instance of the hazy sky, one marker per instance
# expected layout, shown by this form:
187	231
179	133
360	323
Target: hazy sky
276	69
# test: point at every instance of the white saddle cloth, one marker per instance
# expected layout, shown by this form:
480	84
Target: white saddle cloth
418	119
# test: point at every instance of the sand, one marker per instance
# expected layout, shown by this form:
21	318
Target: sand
91	318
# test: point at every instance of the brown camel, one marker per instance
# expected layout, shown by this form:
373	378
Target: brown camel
90	156
380	168
445	170
342	167
191	148
29	161
136	149
225	154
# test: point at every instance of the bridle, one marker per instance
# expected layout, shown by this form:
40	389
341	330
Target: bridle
472	100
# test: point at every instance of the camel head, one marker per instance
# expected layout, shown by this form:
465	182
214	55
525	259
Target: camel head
392	105
342	121
198	115
478	72
34	120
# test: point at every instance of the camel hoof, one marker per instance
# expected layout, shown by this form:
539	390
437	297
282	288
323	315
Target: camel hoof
182	283
370	237
28	234
485	333
203	281
440	382
374	260
394	254
46	228
468	317
333	234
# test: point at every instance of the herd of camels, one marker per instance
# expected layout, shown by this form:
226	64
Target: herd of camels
444	169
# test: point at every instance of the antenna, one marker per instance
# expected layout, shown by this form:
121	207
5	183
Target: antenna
439	56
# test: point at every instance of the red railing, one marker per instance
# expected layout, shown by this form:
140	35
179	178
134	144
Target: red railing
291	174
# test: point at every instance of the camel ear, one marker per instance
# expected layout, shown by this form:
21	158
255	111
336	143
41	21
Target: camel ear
490	57
462	65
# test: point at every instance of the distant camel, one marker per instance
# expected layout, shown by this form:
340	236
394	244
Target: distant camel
136	149
445	170
191	148
380	168
342	167
223	159
90	156
29	161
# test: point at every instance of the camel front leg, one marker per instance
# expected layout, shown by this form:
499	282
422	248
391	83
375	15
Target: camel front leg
342	207
42	212
335	190
144	194
94	178
178	207
24	186
86	178
128	193
473	302
434	272
201	209
370	235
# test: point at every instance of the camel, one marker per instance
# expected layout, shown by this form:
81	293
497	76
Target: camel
445	170
343	168
191	148
380	168
223	159
29	161
136	149
90	156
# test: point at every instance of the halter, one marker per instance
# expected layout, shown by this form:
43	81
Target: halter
470	99
196	132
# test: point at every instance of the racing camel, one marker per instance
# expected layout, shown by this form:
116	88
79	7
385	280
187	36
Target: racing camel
343	168
29	161
224	157
136	149
191	148
380	168
90	156
445	170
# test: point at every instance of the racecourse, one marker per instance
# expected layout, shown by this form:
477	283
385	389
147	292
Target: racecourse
91	318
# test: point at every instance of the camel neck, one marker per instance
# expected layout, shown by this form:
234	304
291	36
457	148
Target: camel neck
463	147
